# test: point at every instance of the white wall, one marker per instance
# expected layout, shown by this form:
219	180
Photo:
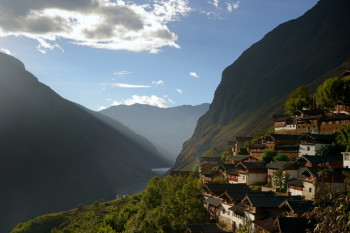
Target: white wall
295	192
309	149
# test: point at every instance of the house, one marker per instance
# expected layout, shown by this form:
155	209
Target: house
240	158
331	124
207	166
314	161
238	142
313	180
310	143
296	208
295	187
216	189
308	113
346	159
209	175
282	143
212	205
204	228
341	107
225	168
284	124
251	173
256	150
292	168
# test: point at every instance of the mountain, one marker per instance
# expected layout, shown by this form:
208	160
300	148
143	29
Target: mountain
54	154
166	128
303	51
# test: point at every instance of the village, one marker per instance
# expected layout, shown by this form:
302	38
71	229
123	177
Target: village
247	192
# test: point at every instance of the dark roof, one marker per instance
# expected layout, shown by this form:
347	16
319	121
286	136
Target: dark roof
238	196
208	172
238	209
218	188
228	166
295	182
287	147
289	137
323	159
299	206
336	117
268	224
321	137
258	146
214	201
255	165
293	225
204	228
280	116
270	201
210	159
335	173
239	157
280	165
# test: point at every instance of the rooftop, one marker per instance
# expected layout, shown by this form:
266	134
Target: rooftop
298	206
280	164
218	188
269	201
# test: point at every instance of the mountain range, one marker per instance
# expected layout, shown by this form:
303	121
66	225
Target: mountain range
166	128
303	51
55	154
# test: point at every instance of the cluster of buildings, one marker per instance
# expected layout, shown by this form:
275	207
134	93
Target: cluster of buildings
242	193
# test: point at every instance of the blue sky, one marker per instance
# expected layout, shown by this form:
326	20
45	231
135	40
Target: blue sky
100	53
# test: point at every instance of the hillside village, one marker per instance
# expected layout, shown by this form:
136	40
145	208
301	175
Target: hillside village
268	184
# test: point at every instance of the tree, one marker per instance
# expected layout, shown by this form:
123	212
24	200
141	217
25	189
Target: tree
344	137
280	157
279	180
331	150
242	151
331	90
298	99
267	156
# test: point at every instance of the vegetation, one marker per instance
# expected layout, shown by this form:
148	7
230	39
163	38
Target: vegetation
267	156
242	151
166	205
344	137
331	90
279	180
298	99
280	157
335	149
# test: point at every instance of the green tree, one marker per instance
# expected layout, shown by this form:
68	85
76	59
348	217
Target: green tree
267	156
225	154
298	99
335	149
242	151
279	180
331	90
344	137
280	157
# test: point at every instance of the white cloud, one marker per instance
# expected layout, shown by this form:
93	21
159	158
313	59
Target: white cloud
157	83
194	74
3	50
149	100
215	3
105	24
232	6
101	108
124	85
171	101
122	73
179	90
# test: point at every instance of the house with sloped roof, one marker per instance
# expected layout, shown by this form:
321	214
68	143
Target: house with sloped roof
284	124
216	189
295	187
212	205
251	173
315	161
296	208
265	225
235	159
293	225
209	175
317	178
256	149
238	142
310	143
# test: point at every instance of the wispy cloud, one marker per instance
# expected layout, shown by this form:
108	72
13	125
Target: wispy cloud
5	51
104	24
122	73
230	6
215	3
100	108
194	74
179	90
157	83
124	85
149	100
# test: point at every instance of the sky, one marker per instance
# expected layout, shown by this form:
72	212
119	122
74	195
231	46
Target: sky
101	53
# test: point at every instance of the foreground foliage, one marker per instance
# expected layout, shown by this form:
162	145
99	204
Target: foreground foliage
166	205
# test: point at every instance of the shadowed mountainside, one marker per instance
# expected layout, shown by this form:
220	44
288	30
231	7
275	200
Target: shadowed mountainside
166	128
55	154
299	52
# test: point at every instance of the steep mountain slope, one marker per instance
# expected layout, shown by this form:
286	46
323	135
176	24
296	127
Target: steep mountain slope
166	128
55	155
298	52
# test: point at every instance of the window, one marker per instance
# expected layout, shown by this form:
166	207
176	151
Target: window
243	177
310	190
308	148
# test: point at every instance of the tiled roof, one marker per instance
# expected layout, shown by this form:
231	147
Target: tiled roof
335	173
268	224
238	196
288	137
299	206
322	137
238	209
270	201
204	228
255	165
214	201
238	157
280	164
208	172
323	159
218	188
228	166
295	182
